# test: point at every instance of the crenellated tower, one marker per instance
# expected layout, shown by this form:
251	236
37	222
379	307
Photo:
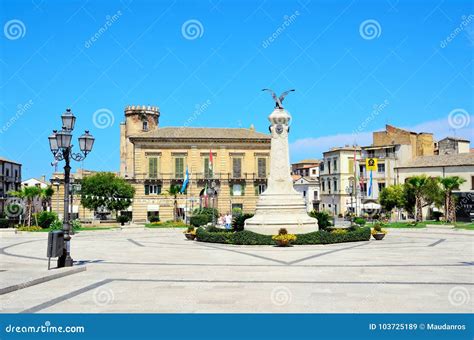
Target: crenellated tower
138	119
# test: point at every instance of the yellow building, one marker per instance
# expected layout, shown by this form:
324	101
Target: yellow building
232	163
76	210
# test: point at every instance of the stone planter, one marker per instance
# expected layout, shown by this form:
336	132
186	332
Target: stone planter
378	236
190	236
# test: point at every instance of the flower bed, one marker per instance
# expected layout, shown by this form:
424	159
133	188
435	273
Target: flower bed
246	237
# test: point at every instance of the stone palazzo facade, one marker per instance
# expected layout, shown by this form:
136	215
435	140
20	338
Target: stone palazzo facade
154	159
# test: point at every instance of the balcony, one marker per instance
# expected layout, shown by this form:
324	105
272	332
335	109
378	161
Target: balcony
203	177
259	177
238	177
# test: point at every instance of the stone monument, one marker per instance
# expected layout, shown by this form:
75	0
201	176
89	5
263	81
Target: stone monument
280	206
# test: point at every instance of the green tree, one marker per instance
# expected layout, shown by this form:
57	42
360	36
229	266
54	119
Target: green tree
449	184
45	195
426	191
105	189
392	197
28	195
174	191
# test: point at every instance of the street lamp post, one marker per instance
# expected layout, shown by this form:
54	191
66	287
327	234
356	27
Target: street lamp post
61	147
334	210
350	191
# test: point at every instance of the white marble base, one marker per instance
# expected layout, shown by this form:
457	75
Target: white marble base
275	211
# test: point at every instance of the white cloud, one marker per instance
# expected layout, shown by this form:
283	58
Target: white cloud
314	147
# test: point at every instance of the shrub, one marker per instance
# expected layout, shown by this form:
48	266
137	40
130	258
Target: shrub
206	211
123	219
436	215
190	230
75	225
236	211
214	229
45	218
238	222
339	231
200	220
360	221
213	237
323	217
325	237
284	239
4	223
56	225
282	231
378	230
246	237
30	228
154	219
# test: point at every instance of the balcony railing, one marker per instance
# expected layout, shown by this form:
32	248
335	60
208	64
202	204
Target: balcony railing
202	176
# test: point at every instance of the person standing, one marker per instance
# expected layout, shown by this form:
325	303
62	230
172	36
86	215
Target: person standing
228	220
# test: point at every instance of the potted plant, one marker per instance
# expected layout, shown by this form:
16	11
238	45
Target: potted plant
190	233
377	232
283	239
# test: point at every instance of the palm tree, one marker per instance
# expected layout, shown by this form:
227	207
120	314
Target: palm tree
45	196
418	185
173	191
28	194
449	184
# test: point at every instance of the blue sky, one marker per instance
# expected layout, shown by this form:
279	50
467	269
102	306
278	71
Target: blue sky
355	65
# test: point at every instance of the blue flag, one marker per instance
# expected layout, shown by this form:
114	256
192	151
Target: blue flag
185	182
370	184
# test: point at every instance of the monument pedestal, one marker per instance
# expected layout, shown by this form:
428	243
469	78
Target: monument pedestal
280	206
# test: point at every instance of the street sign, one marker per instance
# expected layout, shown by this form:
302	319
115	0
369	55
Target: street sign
371	164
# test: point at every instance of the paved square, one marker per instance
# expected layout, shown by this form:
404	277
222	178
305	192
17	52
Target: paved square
420	271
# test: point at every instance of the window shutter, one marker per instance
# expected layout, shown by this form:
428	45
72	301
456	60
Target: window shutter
147	189
206	167
262	168
153	167
237	167
179	167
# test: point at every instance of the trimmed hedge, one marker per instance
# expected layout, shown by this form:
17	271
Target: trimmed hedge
246	237
238	222
4	223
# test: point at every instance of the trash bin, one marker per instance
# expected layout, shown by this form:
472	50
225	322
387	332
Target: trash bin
55	243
